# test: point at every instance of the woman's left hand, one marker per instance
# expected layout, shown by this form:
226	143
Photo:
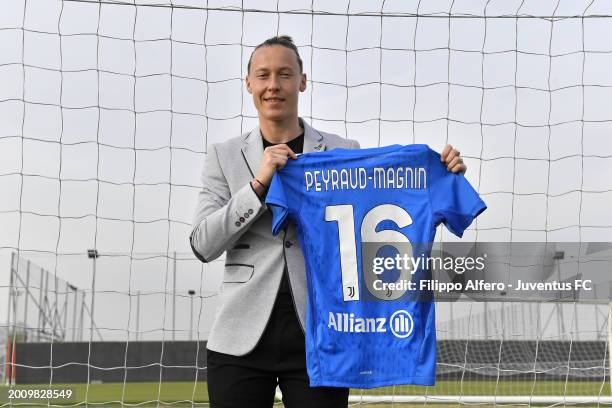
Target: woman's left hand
452	159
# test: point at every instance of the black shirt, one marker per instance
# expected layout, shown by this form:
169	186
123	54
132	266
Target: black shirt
297	145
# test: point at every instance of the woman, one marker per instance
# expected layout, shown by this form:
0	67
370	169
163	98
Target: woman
257	338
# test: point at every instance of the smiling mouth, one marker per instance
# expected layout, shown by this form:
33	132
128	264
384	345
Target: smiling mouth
273	99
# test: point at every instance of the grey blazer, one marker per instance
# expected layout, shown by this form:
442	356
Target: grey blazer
230	217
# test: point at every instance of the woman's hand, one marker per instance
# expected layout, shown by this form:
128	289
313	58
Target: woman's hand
274	158
452	159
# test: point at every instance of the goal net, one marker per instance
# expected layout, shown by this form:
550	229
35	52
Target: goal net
108	109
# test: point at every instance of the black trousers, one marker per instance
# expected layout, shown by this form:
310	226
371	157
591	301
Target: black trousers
278	359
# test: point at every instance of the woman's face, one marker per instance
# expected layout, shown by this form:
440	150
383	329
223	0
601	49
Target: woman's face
275	82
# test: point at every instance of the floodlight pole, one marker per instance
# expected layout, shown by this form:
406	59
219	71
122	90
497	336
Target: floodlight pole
7	372
174	298
74	308
557	257
40	307
486	319
451	322
138	337
81	324
191	293
45	297
93	255
10	294
66	313
27	290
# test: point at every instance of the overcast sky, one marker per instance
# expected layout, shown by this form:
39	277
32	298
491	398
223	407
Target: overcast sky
101	146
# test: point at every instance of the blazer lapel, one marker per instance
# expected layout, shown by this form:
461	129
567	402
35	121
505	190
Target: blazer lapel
252	150
252	146
313	140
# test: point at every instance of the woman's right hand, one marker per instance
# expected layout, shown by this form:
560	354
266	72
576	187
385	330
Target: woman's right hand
274	158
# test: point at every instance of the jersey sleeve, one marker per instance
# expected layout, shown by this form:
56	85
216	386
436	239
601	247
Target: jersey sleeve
277	201
453	199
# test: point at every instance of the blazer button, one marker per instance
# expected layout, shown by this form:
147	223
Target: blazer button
288	244
241	219
237	223
246	215
250	211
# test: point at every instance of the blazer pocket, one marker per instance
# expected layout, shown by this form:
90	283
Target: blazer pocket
237	273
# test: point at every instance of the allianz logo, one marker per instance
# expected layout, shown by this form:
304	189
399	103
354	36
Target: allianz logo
400	323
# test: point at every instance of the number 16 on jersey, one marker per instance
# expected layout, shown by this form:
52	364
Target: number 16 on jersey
371	242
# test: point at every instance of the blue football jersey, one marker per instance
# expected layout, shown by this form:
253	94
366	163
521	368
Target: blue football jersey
364	328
